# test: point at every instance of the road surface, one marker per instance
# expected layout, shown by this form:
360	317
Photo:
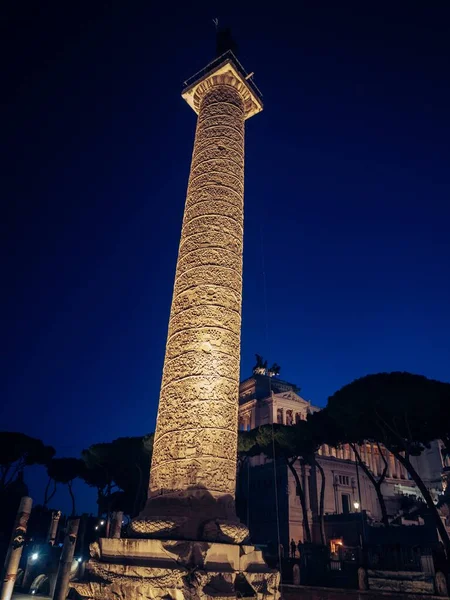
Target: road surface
29	596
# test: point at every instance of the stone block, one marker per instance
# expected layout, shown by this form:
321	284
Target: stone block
144	569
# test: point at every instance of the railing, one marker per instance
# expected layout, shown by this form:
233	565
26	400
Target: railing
399	558
228	55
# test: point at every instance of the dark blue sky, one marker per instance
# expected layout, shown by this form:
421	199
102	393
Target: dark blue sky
347	179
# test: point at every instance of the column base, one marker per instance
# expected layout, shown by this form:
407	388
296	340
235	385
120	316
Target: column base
143	569
193	514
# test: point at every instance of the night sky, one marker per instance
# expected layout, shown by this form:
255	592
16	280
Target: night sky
347	200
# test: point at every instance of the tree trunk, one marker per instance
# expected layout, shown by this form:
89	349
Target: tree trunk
323	537
376	484
301	495
100	496
108	510
69	485
47	487
428	499
47	496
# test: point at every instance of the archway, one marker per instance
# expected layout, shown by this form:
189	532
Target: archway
40	585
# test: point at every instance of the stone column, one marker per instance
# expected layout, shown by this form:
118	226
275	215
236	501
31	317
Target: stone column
116	524
364	453
65	562
379	461
396	468
372	459
190	510
194	454
368	456
376	460
391	464
53	527
15	548
196	430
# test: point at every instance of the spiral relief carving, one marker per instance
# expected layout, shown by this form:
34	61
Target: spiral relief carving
196	433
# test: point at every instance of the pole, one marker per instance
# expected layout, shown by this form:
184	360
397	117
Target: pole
65	562
15	547
360	508
116	524
80	544
248	494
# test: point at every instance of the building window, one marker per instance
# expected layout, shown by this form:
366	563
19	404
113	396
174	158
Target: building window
345	504
280	416
298	417
289	417
344	480
335	545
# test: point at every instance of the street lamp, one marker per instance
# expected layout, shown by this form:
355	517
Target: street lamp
34	556
356	505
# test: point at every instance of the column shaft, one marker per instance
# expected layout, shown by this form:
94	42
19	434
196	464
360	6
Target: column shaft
196	433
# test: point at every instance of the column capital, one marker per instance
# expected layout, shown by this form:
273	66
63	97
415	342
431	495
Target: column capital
225	70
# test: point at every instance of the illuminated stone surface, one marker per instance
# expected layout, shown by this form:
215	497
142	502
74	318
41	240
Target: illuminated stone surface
133	569
201	368
193	472
194	453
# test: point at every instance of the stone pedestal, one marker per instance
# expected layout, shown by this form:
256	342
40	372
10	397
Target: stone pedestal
143	569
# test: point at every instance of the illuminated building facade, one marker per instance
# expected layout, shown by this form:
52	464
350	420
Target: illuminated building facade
264	400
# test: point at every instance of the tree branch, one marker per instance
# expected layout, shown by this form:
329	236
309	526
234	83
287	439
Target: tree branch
394	433
386	466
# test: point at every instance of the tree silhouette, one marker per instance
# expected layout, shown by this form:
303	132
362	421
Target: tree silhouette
338	430
65	470
402	411
120	465
294	445
18	451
